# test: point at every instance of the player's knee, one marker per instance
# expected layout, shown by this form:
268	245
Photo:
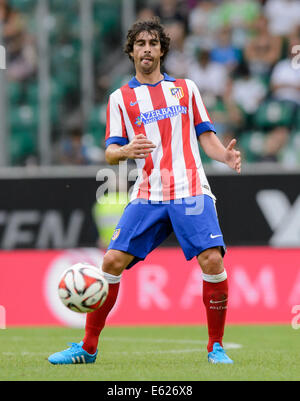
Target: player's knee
112	264
211	261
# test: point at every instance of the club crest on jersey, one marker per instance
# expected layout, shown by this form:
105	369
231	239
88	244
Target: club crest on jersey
177	92
139	121
116	234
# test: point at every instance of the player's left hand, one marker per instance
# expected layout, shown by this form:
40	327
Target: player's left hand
233	157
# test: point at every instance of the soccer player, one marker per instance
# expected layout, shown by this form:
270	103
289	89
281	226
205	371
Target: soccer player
157	121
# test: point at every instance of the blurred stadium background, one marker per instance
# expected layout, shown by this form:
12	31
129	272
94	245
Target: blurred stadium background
63	59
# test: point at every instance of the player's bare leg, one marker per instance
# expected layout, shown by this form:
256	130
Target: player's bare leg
114	262
211	261
215	298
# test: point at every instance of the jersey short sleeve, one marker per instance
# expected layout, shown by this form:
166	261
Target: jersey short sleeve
202	120
115	124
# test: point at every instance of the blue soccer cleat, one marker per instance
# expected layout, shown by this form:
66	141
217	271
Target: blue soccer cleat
74	354
218	355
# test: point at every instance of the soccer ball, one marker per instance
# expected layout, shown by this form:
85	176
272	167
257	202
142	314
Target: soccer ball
82	288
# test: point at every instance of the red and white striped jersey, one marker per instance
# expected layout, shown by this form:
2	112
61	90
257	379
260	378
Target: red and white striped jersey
172	115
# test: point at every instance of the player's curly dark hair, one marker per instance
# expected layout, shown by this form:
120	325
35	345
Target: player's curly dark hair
152	25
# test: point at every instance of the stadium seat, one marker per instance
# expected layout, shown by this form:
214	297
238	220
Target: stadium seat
67	55
56	92
24	125
290	155
272	113
63	5
26	116
15	92
251	144
96	125
23	116
23	143
23	5
297	120
107	14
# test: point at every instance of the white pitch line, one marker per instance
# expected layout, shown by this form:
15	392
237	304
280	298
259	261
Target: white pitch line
170	351
153	340
168	341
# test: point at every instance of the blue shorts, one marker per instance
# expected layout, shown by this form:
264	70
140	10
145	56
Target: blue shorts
145	224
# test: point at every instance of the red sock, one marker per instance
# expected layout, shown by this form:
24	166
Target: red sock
95	321
215	296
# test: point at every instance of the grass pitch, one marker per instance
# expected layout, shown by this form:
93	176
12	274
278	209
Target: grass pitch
153	354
